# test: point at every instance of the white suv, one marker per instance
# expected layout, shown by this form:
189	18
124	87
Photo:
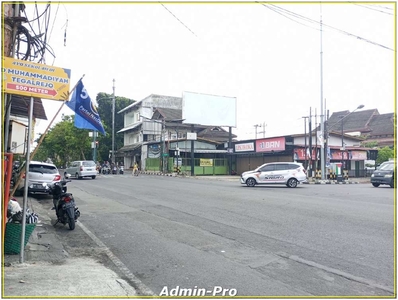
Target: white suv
40	175
82	168
288	173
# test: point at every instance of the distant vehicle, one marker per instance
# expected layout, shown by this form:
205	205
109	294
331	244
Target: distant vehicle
82	168
288	173
40	175
384	174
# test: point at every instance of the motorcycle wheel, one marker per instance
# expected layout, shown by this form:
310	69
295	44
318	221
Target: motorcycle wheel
71	223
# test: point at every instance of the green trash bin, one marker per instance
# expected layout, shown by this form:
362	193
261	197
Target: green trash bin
12	237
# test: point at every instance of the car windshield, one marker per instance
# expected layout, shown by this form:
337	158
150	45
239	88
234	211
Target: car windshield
44	169
89	164
387	167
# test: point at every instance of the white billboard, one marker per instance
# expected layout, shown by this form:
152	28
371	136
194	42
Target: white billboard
208	109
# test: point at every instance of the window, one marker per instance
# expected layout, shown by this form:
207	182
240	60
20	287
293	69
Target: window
88	164
267	168
280	167
42	169
293	166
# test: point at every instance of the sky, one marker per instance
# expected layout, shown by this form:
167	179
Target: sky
274	58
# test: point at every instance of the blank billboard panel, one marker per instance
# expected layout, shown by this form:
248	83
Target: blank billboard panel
208	109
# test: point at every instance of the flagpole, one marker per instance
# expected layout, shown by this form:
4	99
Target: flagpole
49	125
43	135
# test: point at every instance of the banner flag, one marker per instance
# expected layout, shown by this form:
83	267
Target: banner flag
86	115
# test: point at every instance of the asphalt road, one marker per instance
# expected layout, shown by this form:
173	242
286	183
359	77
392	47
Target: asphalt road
216	236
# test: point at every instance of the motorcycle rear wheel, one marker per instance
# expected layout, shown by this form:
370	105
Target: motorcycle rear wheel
71	223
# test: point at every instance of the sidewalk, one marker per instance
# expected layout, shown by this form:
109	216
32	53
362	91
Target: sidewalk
48	270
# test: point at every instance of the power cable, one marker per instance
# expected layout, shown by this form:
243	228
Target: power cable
371	8
279	10
178	19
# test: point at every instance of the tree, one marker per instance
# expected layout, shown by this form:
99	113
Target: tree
65	143
105	111
372	144
384	154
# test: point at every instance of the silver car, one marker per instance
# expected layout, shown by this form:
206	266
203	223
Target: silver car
287	173
40	175
82	168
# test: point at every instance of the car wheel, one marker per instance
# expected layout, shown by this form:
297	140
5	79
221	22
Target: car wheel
77	176
251	182
93	177
292	183
392	183
375	184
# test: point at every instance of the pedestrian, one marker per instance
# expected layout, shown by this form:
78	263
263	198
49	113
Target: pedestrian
135	169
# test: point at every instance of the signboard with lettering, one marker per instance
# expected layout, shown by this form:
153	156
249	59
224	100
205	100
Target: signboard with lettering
358	155
244	147
31	79
204	162
271	144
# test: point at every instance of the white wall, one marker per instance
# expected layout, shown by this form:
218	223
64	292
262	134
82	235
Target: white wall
17	138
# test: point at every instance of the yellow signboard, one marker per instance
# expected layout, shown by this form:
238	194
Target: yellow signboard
27	78
205	162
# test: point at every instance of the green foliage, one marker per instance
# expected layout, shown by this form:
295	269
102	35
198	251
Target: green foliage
105	111
65	143
370	144
384	154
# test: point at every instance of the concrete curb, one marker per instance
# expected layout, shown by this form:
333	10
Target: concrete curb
331	182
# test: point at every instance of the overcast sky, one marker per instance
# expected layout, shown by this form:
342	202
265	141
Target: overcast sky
265	55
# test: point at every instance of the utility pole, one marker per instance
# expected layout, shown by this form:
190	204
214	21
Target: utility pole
263	132
259	125
310	142
113	123
322	112
305	142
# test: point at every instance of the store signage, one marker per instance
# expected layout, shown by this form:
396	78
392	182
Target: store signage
204	162
244	147
272	144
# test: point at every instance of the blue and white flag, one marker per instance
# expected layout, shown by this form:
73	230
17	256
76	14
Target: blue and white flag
86	115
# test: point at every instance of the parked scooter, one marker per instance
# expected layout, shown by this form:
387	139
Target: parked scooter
121	170
64	204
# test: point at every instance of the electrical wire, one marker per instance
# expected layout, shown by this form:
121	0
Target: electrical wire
371	8
178	19
36	41
283	12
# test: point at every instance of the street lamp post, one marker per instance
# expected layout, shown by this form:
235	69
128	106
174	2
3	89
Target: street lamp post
342	132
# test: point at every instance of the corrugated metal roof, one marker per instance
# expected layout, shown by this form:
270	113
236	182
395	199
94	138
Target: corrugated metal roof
130	147
20	107
130	127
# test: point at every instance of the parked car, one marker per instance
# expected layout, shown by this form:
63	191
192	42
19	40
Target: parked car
82	168
288	173
40	175
384	174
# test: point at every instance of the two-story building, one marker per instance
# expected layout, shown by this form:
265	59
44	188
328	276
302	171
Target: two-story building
137	127
157	139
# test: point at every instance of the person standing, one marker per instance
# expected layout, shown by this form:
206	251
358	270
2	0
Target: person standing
135	169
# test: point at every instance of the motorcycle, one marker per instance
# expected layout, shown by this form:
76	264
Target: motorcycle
105	170
64	204
121	170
